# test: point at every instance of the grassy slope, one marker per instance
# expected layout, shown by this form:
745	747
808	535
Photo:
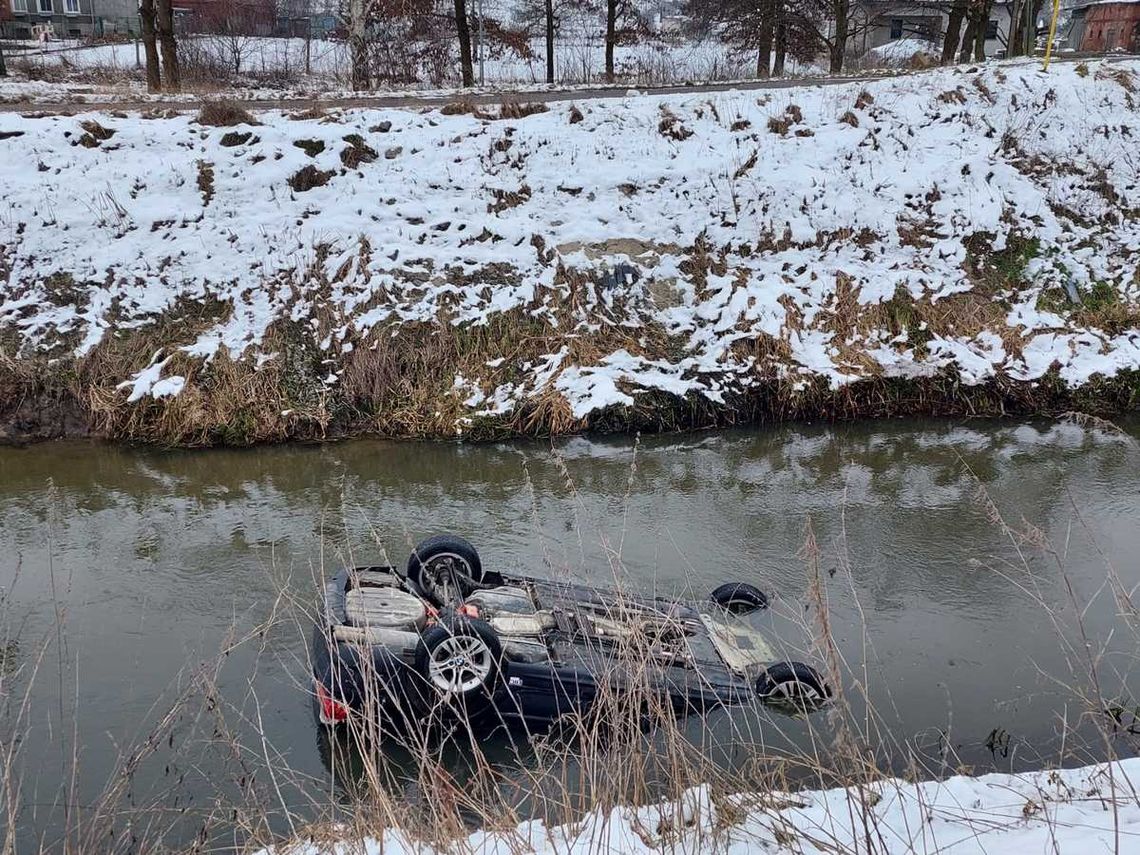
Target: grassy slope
431	375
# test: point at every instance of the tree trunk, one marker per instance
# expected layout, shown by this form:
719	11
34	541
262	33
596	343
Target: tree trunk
358	45
466	67
971	33
164	24
611	37
146	24
953	31
1016	44
980	31
549	41
3	67
839	44
781	40
767	31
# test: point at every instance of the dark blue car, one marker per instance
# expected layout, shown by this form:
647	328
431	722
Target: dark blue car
446	637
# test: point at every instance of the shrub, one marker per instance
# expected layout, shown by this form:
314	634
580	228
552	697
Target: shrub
224	114
308	177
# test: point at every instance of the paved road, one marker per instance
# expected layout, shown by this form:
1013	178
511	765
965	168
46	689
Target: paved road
412	101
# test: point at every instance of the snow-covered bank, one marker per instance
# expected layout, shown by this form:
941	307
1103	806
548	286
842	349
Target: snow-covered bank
1095	809
419	272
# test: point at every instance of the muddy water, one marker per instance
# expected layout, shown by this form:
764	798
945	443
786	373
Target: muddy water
125	572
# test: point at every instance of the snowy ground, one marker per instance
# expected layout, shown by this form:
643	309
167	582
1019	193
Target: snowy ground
698	244
901	51
1069	812
274	69
579	58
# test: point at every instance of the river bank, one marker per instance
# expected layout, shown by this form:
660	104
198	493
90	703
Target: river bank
1092	809
964	241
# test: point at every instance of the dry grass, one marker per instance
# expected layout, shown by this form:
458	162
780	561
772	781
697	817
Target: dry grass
512	109
1122	76
311	147
206	181
507	199
399	379
459	108
308	177
509	108
235	138
779	125
671	126
224	114
357	152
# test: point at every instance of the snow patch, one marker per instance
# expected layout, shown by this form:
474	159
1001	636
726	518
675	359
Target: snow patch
1093	809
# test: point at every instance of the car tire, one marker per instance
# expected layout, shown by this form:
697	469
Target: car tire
739	597
460	661
445	568
794	685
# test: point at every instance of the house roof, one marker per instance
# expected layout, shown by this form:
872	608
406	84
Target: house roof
1091	3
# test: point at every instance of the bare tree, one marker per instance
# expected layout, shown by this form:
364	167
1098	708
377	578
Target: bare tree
837	45
404	41
232	30
953	31
147	16
624	25
1023	27
164	24
981	30
549	9
780	37
540	16
3	67
765	34
836	23
611	37
467	69
358	44
974	42
774	29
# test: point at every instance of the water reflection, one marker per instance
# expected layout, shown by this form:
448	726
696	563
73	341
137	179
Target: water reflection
152	558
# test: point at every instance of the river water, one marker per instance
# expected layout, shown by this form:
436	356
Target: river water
125	572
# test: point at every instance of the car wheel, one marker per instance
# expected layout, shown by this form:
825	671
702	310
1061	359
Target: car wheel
794	685
461	662
445	568
739	597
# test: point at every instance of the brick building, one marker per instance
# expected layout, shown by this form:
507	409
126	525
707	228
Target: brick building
66	18
1111	25
248	17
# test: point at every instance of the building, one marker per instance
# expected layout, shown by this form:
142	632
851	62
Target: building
887	21
245	17
116	17
63	19
1110	25
1073	31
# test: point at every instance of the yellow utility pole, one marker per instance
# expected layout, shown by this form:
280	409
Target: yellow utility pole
1052	32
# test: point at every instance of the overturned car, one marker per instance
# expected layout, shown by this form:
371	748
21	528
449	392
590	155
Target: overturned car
447	636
